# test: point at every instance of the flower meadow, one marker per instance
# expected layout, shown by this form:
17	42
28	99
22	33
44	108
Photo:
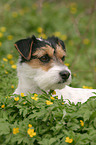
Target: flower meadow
46	120
43	119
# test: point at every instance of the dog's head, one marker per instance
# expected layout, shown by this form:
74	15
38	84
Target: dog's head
44	61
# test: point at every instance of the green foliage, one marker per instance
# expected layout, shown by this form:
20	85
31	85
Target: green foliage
51	122
75	24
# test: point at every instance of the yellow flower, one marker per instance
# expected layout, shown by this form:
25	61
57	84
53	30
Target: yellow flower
16	98
81	123
86	41
15	130
0	44
7	7
64	37
29	125
73	8
12	86
14	66
14	14
4	59
6	72
10	37
31	132
90	88
58	34
95	69
39	30
34	98
62	103
2	106
86	87
43	36
52	98
49	102
11	62
8	97
54	93
71	140
74	74
3	29
67	64
35	95
9	56
3	65
68	140
1	35
22	94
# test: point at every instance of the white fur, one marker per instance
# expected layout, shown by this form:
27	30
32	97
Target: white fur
33	80
76	94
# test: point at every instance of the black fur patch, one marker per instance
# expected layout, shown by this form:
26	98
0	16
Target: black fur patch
24	47
56	41
27	47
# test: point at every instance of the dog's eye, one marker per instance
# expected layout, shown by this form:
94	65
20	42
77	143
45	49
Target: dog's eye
63	58
45	58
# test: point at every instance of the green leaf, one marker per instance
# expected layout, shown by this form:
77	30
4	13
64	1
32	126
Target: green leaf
8	138
25	112
4	127
93	116
87	115
95	122
44	141
73	126
52	140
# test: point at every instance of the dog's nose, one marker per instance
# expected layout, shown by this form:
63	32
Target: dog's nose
64	75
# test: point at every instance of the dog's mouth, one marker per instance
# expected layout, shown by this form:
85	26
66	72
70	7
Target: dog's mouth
61	82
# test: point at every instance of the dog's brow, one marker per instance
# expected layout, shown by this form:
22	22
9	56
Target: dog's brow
59	52
44	50
39	53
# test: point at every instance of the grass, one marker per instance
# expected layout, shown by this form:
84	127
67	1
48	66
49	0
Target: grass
65	20
75	24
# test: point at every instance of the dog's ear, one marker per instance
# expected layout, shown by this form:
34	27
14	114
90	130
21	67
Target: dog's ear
24	46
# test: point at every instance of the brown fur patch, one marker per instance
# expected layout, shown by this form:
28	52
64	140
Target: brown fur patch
44	50
60	52
36	63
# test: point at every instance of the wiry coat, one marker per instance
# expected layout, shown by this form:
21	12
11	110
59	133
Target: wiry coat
41	67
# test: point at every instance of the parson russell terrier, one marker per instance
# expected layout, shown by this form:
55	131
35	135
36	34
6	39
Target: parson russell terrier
41	67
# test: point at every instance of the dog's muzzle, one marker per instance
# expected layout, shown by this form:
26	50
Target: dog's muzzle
64	75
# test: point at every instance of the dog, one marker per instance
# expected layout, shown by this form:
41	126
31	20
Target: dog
41	67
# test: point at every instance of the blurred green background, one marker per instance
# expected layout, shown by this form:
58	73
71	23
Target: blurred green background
73	21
